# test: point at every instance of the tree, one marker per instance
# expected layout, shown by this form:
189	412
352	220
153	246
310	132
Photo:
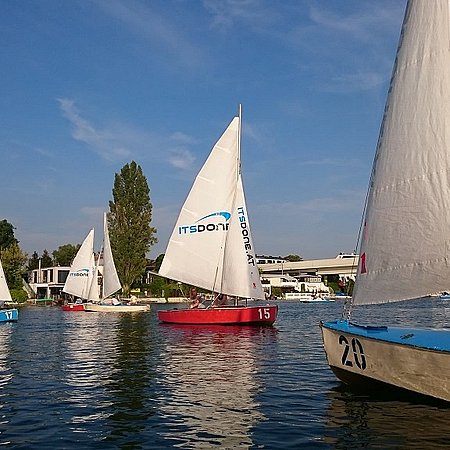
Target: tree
129	224
7	234
158	262
33	262
13	260
46	260
293	258
65	254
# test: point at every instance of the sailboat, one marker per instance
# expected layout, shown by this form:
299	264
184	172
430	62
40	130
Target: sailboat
211	246
7	314
405	234
81	281
111	283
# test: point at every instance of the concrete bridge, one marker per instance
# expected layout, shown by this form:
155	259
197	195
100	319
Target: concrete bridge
343	265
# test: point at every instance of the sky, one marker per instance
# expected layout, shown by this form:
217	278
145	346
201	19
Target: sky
88	86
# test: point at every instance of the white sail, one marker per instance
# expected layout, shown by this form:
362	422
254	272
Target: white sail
82	279
405	248
240	273
203	250
111	282
5	295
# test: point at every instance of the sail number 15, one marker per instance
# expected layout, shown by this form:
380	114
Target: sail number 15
264	313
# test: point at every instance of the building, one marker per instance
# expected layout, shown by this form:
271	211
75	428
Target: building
310	275
47	282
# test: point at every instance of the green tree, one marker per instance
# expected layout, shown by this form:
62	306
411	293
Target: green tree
33	262
65	254
129	224
46	260
13	260
7	234
158	262
293	258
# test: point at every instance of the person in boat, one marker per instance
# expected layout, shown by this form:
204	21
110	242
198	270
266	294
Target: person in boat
220	300
196	299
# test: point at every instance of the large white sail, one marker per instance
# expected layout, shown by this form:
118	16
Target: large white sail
82	279
5	295
240	273
196	251
111	282
405	248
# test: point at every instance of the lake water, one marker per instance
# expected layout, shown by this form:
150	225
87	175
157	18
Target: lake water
99	380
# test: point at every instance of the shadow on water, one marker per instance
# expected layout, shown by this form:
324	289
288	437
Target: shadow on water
356	419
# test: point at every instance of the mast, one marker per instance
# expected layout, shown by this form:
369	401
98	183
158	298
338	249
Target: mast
239	137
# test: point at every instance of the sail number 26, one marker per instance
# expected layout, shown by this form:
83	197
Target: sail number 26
353	353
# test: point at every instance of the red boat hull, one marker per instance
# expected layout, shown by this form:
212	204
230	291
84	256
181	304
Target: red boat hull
73	307
239	315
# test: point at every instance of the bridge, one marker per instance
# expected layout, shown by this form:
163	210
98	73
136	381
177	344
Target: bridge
344	266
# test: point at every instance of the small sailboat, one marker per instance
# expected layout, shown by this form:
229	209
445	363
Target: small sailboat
405	239
7	314
81	281
211	246
111	283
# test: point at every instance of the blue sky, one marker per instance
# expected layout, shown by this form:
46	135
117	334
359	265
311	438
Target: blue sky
88	86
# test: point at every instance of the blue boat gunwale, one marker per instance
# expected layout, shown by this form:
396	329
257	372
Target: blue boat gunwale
437	339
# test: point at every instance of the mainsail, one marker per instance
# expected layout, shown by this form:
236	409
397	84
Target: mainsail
5	295
111	282
82	279
410	185
209	246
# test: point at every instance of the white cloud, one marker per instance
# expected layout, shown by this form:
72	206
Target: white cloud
225	13
119	142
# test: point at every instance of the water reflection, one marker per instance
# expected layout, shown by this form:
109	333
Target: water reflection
105	371
357	420
209	381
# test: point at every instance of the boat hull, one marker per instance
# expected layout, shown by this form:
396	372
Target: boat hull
9	315
93	307
245	315
73	307
417	360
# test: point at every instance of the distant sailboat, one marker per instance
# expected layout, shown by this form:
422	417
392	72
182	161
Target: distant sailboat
8	314
405	242
111	283
211	246
81	281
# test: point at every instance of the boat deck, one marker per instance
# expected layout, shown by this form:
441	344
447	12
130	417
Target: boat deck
429	338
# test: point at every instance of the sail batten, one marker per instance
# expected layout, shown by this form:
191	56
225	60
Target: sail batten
405	246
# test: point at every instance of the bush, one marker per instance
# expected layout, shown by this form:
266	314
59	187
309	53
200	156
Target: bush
19	295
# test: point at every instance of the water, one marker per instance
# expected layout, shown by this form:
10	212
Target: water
99	380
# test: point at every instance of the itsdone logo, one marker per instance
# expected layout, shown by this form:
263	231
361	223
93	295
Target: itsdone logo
210	226
245	231
80	273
